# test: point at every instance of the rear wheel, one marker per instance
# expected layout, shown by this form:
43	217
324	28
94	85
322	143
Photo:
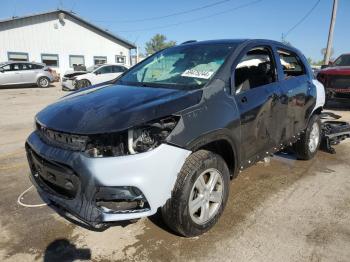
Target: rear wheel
306	148
43	82
199	196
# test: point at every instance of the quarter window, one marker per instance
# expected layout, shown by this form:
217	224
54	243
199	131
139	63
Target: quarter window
18	56
291	63
76	61
255	69
99	60
119	59
50	59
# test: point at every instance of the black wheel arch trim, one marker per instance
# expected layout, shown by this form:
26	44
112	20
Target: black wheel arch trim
217	136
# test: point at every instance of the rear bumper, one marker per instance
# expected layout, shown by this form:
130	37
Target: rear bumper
153	173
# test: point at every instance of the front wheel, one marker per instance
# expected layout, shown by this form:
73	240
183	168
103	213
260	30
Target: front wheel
199	196
306	148
83	83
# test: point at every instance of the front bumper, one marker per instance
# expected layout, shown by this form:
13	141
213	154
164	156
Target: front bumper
153	173
67	84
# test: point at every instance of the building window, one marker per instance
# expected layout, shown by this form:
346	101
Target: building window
18	56
100	60
76	60
50	59
120	59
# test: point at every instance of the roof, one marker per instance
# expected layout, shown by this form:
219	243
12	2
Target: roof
114	36
242	41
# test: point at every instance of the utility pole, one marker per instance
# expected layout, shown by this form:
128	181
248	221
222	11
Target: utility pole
330	34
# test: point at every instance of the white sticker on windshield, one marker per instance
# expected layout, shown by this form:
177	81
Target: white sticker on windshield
197	74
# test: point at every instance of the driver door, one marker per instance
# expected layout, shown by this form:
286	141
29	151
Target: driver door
258	95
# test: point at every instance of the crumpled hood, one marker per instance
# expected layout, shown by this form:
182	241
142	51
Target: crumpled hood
112	108
336	70
75	73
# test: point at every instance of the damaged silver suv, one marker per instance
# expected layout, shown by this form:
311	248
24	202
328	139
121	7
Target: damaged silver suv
171	132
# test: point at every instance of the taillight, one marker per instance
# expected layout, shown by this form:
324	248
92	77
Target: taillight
48	69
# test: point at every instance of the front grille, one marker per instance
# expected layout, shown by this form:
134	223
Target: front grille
62	140
336	81
341	82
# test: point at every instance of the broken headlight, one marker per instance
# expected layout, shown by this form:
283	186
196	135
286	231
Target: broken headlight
136	140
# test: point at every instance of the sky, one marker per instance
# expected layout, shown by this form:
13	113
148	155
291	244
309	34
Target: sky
182	20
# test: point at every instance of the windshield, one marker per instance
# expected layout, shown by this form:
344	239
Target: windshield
180	67
343	60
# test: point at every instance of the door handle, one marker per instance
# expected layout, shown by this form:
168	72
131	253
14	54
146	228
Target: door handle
244	99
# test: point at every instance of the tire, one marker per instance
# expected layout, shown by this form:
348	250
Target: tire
305	148
43	82
178	214
83	83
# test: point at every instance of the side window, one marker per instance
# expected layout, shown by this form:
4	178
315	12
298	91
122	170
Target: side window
118	69
17	67
291	63
255	69
104	70
7	68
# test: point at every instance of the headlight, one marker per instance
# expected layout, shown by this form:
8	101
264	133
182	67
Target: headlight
136	140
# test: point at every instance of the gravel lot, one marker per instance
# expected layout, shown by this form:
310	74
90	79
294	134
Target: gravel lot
286	210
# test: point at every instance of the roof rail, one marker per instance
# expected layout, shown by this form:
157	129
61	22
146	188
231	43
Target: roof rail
189	41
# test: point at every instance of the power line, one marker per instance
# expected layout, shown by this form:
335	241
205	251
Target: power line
302	19
169	15
193	20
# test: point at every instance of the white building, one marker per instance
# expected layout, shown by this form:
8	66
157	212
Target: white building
60	39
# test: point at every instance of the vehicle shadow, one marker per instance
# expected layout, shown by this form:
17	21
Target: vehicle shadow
63	250
25	87
72	219
158	221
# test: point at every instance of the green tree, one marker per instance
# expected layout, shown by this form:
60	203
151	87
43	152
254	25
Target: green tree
158	42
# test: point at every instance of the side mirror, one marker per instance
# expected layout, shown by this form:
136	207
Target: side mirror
97	73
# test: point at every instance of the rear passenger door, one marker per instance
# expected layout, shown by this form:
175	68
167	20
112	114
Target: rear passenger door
295	84
258	94
28	73
118	70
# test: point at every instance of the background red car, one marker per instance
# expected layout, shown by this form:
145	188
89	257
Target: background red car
336	77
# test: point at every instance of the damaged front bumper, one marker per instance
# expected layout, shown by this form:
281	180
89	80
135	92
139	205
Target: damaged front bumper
99	190
68	84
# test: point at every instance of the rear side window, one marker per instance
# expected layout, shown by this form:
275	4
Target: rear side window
255	69
33	66
118	69
291	63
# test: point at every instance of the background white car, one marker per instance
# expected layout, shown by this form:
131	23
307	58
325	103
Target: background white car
94	75
15	73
